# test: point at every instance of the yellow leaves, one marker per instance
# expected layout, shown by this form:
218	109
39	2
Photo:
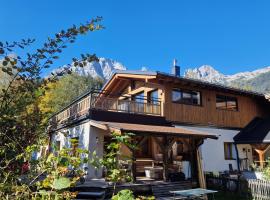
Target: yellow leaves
45	100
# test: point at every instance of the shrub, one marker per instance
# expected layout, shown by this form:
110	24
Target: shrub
124	195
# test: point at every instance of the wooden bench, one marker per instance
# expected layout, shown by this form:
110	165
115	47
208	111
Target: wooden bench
162	191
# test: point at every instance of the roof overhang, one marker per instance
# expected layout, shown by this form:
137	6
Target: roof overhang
256	132
150	130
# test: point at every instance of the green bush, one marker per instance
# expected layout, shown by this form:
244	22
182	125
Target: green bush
124	195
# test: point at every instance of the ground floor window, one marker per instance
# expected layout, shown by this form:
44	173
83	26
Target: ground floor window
229	151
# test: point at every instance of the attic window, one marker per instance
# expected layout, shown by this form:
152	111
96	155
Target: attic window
226	103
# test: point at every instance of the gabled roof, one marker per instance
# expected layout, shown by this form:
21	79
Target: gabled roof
256	132
198	82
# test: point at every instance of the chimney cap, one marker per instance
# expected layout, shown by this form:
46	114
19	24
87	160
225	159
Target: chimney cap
175	69
174	62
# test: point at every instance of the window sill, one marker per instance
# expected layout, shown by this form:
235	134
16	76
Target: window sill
188	104
221	109
230	159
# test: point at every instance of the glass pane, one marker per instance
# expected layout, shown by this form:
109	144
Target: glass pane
176	96
153	97
231	103
139	97
221	102
187	97
196	98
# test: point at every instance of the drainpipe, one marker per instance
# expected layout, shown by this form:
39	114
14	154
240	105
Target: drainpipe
237	156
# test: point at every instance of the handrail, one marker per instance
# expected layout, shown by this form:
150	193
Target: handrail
107	102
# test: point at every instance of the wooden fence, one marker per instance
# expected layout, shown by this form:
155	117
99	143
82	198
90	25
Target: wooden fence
259	189
253	189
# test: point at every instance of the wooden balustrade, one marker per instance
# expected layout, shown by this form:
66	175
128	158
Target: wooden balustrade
118	105
105	103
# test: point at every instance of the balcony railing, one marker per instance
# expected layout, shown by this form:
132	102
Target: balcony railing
103	101
128	106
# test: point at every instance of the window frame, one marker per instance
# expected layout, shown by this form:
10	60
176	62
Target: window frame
153	100
231	151
186	91
226	97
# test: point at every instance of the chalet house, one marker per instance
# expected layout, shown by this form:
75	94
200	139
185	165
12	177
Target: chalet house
180	124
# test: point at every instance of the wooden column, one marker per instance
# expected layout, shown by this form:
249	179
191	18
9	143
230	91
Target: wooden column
165	145
201	177
261	156
261	150
165	158
133	169
192	152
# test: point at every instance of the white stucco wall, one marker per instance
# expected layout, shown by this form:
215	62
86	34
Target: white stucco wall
96	143
90	138
213	150
81	131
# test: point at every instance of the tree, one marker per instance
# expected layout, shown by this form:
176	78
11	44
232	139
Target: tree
20	116
67	88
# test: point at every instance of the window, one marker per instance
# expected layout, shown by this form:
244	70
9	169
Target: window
74	144
186	97
139	97
229	151
153	97
226	103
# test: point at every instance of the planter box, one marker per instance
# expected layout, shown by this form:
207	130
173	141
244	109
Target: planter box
153	172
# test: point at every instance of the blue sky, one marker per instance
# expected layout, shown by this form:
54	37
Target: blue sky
230	35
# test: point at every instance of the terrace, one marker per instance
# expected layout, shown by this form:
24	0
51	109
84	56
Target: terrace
102	100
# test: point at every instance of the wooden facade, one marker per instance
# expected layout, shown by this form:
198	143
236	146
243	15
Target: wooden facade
207	113
122	88
249	105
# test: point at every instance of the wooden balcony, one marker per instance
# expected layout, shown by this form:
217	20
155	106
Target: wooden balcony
102	101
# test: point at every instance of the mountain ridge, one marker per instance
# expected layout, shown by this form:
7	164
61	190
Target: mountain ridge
257	80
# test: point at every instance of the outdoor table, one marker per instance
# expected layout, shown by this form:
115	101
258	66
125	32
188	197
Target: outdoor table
194	193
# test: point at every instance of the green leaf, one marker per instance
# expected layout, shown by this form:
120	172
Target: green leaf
5	63
61	183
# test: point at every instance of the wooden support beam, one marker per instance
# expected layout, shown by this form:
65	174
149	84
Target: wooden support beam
165	158
261	152
201	177
261	157
133	167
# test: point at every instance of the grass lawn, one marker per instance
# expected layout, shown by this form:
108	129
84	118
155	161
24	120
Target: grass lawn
228	196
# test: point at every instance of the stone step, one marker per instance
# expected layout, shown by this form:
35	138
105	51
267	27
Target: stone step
91	195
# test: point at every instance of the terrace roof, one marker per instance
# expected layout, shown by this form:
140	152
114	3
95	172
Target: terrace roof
150	129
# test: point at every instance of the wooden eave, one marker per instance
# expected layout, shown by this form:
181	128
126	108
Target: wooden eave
119	81
142	129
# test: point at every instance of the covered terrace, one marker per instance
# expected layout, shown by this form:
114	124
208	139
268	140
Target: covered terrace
164	152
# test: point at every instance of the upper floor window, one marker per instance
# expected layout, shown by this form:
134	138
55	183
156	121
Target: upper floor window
153	97
139	97
226	102
186	96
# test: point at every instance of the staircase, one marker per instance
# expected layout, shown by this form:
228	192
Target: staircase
94	190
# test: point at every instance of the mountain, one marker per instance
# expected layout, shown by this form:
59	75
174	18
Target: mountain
257	80
102	69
